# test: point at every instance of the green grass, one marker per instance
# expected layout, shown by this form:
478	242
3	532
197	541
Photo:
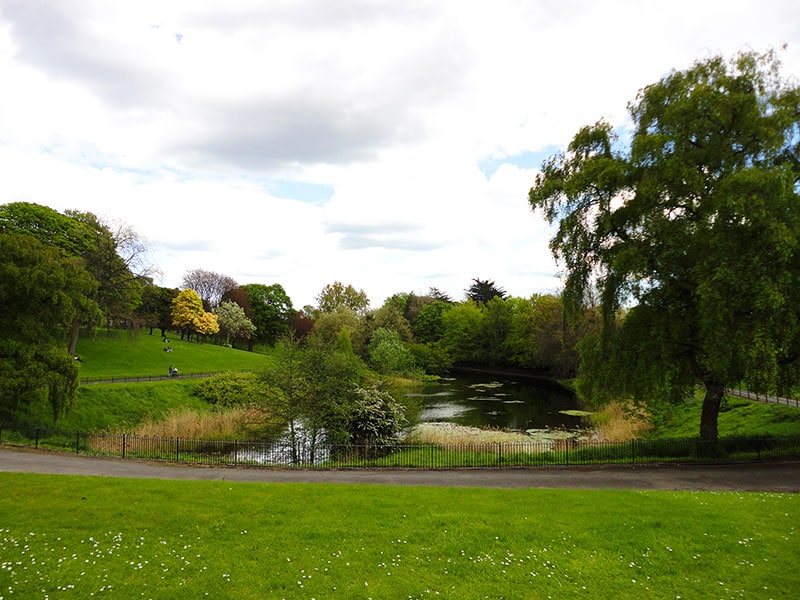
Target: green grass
98	407
737	417
135	353
74	537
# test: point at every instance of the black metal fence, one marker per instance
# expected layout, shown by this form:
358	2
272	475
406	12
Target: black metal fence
406	456
141	378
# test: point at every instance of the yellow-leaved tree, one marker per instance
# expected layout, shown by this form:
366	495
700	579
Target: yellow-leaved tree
187	309
206	324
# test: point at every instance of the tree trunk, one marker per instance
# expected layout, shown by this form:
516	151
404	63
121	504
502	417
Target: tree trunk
74	332
711	404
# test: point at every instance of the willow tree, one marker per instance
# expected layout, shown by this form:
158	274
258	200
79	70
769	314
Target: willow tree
42	290
690	229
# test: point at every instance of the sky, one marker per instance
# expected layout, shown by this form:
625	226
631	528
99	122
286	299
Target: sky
386	145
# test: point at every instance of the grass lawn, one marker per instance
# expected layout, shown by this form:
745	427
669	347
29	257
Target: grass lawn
737	417
98	407
135	353
74	537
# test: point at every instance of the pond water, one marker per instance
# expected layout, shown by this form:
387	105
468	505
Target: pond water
499	402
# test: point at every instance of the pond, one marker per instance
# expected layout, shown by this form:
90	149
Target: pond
499	402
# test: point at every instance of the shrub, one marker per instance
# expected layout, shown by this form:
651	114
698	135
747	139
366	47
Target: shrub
376	417
232	389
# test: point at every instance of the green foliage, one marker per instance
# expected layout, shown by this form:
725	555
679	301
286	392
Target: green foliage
155	311
696	225
48	226
231	389
314	389
387	353
428	325
496	330
376	418
270	310
336	296
233	321
119	292
332	377
116	293
432	358
482	291
328	327
391	316
463	324
42	291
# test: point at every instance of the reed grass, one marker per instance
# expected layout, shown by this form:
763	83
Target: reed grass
620	422
193	424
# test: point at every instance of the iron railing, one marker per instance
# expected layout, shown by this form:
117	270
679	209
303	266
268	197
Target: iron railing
406	456
141	378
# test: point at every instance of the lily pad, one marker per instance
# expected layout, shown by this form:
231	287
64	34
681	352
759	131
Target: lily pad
576	413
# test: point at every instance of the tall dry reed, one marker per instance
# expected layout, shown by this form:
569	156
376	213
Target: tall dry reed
192	424
620	422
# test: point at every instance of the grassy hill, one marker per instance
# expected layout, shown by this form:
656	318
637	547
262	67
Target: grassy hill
114	354
134	353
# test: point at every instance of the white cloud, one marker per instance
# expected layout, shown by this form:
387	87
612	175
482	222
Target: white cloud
184	119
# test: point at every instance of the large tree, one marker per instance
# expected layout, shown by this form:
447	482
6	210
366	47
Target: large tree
336	296
187	311
42	289
47	225
156	307
270	310
482	291
233	321
119	291
315	389
108	254
210	286
691	231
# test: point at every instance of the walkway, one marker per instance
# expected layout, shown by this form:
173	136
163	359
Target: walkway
762	477
763	397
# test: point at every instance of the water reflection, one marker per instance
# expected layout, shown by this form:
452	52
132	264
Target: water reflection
498	402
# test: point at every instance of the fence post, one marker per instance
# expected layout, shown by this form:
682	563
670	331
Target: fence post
123	445
177	449
77	442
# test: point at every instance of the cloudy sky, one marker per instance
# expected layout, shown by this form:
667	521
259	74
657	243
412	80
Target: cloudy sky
387	145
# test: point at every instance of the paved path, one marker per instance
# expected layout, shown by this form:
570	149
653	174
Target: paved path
763	397
765	477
